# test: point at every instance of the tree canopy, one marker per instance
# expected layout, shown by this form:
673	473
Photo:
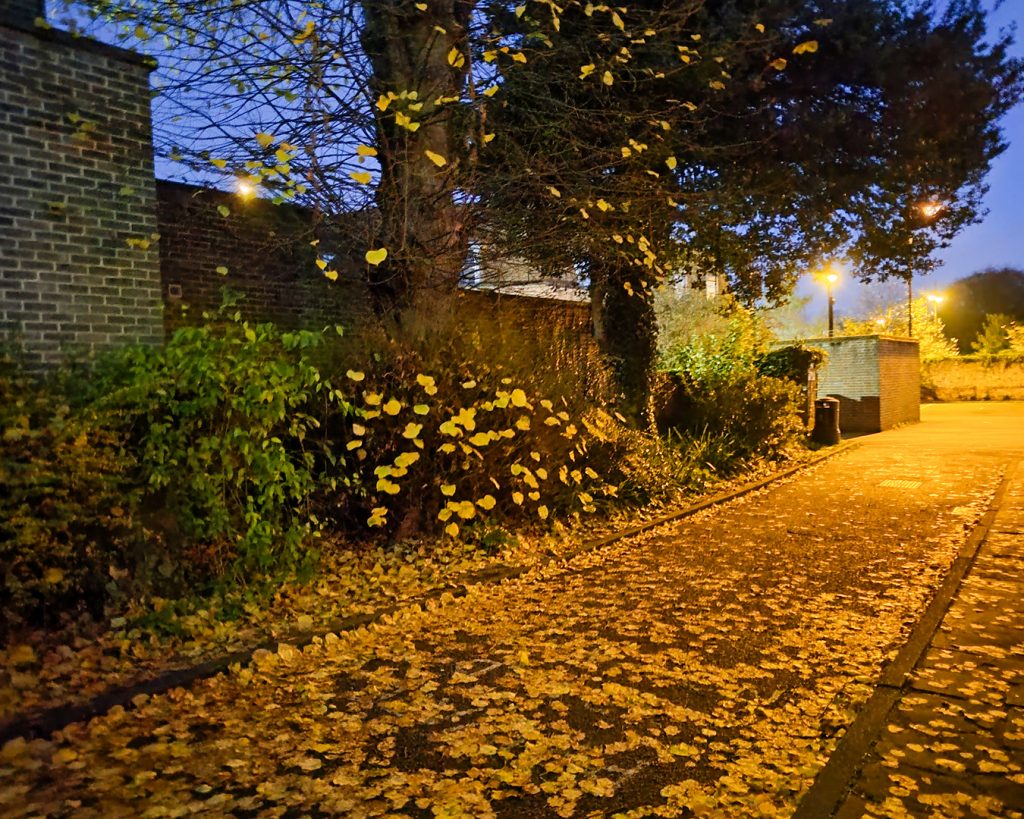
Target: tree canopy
751	138
969	300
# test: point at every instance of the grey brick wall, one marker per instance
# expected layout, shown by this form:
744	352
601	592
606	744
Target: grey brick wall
79	268
22	12
877	380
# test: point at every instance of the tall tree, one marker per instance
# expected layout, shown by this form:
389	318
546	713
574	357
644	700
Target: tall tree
969	300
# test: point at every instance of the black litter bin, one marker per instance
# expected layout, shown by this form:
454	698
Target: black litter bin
826	421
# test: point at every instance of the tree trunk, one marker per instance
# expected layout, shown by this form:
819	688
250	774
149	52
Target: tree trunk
421	225
622	308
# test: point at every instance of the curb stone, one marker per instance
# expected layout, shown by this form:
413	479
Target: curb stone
46	721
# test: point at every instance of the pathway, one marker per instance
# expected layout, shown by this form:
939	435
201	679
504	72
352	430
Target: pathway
707	668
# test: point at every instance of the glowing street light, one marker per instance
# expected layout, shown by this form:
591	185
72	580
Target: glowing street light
245	189
935	299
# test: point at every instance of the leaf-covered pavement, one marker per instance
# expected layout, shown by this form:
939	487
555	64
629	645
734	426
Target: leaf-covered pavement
704	670
954	744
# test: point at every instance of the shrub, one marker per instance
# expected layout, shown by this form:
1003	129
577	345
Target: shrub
446	434
67	510
716	388
227	420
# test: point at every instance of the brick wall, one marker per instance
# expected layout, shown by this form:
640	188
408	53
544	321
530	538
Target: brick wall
78	261
268	256
876	379
899	364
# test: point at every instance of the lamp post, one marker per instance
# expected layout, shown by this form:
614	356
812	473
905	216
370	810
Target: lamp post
831	279
928	211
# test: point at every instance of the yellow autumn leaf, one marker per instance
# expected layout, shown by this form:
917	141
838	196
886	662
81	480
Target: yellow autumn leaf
672	162
452	529
366	150
447	489
436	158
375	257
264	139
362	177
808	47
456	59
355	375
392	407
487	502
331	274
607	78
518	398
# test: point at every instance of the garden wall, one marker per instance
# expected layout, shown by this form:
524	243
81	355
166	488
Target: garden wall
877	380
78	262
973	379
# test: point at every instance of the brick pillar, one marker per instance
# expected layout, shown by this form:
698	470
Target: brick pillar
22	13
79	269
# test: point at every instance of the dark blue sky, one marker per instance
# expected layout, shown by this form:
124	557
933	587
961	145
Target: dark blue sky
997	241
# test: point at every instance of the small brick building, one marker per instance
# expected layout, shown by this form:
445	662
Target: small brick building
877	380
79	268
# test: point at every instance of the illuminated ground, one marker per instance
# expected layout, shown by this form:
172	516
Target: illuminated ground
706	669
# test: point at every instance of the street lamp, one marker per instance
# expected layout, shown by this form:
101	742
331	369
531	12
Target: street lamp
928	211
831	279
935	299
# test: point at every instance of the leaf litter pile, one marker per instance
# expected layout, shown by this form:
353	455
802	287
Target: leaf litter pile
707	669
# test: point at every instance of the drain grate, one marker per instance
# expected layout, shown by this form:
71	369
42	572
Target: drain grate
896	484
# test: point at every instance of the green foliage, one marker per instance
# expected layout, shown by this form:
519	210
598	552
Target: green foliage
226	421
969	300
792	362
67	512
994	336
711	351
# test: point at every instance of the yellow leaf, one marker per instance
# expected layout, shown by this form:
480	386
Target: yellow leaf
264	139
219	163
778	64
437	159
222	270
607	78
517	498
375	257
421	6
456	59
373	398
331	274
760	27
520	10
305	34
518	398
718	85
452	529
412	430
362	177
366	150
53	576
355	375
519	57
490	92
555	192
587	70
671	162
486	503
392	407
542	512
383	102
808	47
421	409
447	489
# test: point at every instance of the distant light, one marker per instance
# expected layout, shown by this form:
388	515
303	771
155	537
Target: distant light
930	209
245	189
880	322
832	278
936	298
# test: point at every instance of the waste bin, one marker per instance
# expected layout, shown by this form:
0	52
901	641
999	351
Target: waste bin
826	421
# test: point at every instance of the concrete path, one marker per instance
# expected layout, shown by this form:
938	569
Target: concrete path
953	745
710	668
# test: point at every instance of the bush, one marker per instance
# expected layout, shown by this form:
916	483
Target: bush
715	387
67	510
226	420
447	434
